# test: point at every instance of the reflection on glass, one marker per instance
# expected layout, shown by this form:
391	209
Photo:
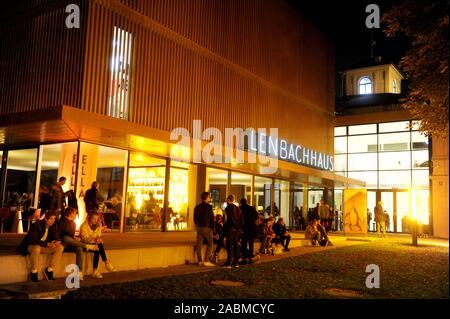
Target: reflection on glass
340	145
362	144
314	197
216	184
296	212
394	160
262	195
146	180
362	162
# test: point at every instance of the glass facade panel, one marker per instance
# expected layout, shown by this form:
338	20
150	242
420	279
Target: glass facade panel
216	184
420	159
362	162
340	145
341	130
20	179
388	205
362	144
262	195
314	197
369	177
420	203
297	216
241	186
362	129
178	208
146	180
282	195
420	178
394	142
371	203
340	163
394	160
395	179
403	212
393	127
419	141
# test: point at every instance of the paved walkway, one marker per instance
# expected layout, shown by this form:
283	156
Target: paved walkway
45	289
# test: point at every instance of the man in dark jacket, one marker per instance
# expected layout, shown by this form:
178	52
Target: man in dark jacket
250	230
281	234
42	239
204	221
66	231
233	228
91	198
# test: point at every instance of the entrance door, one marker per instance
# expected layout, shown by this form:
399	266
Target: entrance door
388	204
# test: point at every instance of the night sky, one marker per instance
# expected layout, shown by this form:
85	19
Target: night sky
344	22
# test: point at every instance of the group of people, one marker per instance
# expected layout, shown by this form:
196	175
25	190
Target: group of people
55	233
236	230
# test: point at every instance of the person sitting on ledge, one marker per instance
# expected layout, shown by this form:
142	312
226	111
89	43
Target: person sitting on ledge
281	234
317	234
42	239
91	233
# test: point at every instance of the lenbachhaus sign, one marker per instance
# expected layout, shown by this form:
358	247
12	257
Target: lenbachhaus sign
264	144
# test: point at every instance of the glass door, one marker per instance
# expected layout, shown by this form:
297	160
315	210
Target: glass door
402	211
388	205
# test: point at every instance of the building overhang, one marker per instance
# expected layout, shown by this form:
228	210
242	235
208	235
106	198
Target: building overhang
65	123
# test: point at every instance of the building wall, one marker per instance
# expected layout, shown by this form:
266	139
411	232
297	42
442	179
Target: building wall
439	187
229	63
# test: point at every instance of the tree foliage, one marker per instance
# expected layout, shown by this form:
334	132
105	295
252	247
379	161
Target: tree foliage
425	24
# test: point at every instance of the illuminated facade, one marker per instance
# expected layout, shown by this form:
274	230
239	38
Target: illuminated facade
379	143
102	106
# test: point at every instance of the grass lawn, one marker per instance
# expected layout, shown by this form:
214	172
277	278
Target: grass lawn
405	272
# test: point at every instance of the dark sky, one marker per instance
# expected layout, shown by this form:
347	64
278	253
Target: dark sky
344	21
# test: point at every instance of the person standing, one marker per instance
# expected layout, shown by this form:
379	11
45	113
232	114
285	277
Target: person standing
380	219
92	198
58	201
204	221
232	229
250	232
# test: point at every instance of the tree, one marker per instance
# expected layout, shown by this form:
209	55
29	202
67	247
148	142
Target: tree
425	25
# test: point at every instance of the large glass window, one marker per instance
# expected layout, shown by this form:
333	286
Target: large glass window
262	194
241	186
365	85
178	208
419	141
388	205
107	167
20	179
216	184
371	203
420	179
340	163
146	181
403	211
420	159
120	70
362	143
297	213
341	130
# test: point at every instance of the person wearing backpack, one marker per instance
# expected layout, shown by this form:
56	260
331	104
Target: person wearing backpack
233	227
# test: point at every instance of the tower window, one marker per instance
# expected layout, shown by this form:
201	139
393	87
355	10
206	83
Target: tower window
365	85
